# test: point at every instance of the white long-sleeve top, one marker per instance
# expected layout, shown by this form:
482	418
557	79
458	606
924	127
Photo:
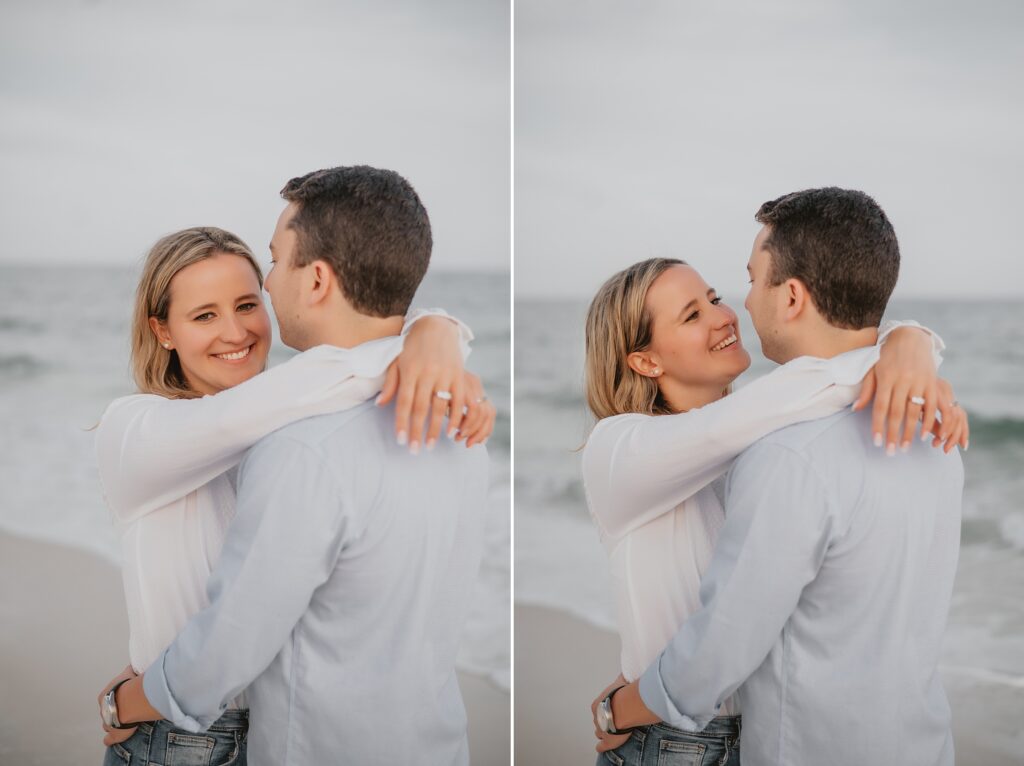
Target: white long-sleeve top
648	482
166	468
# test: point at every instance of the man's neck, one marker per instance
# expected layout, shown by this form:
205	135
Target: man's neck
832	341
353	330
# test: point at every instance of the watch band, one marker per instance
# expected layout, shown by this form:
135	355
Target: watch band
108	710
607	702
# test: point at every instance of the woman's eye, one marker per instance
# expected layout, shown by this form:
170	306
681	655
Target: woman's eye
204	317
247	307
692	316
716	301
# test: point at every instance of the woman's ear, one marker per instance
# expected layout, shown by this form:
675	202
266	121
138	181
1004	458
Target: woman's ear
643	363
160	331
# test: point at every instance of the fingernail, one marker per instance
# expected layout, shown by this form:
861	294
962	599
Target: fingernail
377	400
485	441
414	448
926	436
890	449
967	445
905	447
431	443
452	432
403	437
878	440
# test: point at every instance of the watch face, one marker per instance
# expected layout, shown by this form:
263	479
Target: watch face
604	716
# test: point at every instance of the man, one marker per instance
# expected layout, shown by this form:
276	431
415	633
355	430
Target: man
828	593
346	575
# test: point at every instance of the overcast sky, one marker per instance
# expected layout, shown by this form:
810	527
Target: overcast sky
658	128
124	120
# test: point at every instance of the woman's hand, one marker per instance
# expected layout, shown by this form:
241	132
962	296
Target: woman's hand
115	736
906	369
607	741
431	363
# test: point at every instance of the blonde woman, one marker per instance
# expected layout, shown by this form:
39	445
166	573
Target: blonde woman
662	352
200	339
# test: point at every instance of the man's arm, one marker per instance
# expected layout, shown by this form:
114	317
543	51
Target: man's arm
281	546
779	523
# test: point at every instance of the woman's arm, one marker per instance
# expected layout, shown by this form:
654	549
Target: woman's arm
151	450
637	467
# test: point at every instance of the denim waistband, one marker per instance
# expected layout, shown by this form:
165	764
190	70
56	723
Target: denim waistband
232	720
723	726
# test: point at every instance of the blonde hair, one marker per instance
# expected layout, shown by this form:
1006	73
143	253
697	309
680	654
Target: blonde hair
618	324
156	370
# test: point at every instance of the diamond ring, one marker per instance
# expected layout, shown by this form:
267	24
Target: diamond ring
445	395
917	400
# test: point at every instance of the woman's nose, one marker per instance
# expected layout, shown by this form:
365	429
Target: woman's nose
232	330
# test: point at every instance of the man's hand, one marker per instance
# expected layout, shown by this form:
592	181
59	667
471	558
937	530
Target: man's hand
906	370
115	736
431	362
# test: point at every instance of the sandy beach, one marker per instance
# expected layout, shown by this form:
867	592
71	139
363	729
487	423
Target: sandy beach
63	634
562	663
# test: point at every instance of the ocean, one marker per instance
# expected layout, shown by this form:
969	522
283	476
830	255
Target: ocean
560	563
64	357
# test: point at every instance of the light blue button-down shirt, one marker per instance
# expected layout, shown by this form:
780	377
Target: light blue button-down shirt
824	603
339	599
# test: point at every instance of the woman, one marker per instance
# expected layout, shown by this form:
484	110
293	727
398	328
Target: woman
657	380
200	339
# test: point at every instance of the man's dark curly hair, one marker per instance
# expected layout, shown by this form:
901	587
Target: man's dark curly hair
841	245
372	229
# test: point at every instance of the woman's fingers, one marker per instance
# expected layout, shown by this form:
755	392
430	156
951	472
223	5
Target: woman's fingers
457	410
897	408
879	413
441	406
917	405
867	390
421	405
387	392
933	404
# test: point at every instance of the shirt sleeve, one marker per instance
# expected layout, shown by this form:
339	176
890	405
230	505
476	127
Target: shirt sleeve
780	521
152	451
638	467
271	564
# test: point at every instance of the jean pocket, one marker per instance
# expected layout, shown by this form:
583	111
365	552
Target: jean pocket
675	753
189	749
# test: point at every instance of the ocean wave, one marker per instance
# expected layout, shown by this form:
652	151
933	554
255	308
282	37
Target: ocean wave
996	431
8	324
20	365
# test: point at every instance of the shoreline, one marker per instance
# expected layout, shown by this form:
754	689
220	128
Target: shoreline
64	633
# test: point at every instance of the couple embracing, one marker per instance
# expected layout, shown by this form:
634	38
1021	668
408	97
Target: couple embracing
298	557
782	564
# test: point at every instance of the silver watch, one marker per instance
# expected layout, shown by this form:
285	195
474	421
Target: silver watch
108	708
605	720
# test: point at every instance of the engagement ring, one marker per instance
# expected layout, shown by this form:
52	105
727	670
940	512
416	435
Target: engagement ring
916	400
446	395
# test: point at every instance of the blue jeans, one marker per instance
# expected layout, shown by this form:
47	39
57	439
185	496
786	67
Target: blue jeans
663	745
160	743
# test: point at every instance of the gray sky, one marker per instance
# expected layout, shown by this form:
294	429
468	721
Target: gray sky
658	128
125	120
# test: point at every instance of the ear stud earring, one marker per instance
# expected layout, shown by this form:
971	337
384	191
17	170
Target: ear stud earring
167	345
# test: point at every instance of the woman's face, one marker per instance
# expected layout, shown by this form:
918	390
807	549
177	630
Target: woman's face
695	341
217	323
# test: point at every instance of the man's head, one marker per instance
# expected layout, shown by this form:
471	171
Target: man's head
358	235
825	259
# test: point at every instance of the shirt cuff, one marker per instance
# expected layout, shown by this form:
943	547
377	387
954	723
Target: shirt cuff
656	698
154	684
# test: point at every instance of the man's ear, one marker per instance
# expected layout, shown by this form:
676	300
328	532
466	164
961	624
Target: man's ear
160	331
320	281
644	363
797	299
